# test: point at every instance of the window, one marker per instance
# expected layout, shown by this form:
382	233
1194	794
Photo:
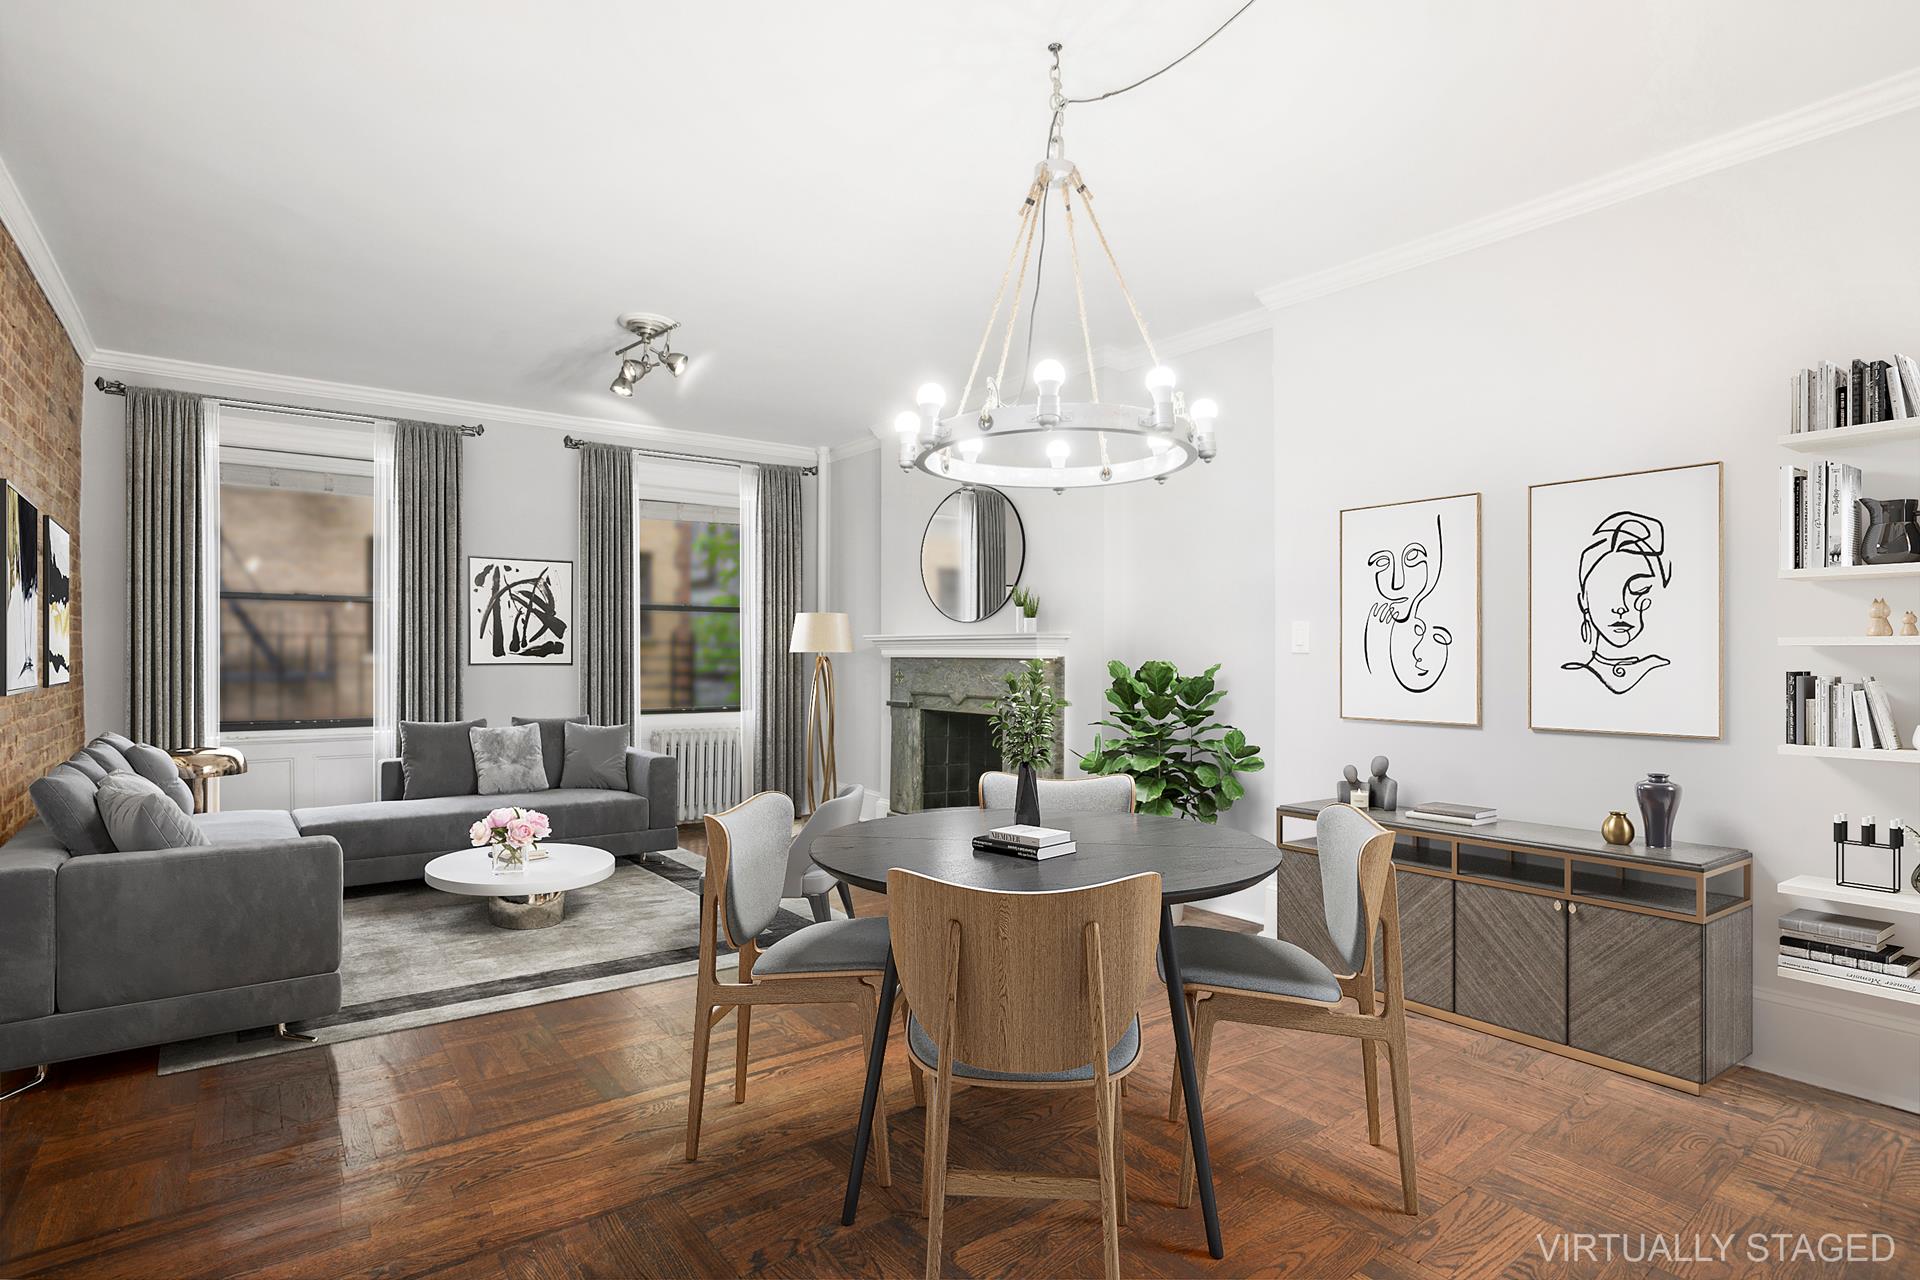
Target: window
689	587
296	593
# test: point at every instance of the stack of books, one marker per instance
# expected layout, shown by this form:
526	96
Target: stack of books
1846	947
1460	815
1026	842
1827	711
1854	394
1819	516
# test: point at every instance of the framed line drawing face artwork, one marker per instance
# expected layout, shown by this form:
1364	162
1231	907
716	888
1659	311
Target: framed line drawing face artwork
1410	611
519	612
1624	603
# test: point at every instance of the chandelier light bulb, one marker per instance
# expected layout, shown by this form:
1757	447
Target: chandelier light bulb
1203	413
1048	375
1159	379
1160	382
930	396
1057	451
970	448
906	423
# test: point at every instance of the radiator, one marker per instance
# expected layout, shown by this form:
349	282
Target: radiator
709	768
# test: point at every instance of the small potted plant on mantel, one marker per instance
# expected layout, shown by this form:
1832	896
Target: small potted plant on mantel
1024	721
1026	611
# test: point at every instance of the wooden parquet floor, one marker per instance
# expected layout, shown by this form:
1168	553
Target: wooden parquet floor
546	1142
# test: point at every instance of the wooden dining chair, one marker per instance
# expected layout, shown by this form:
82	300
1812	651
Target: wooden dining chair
1112	793
1025	991
828	963
804	879
1240	977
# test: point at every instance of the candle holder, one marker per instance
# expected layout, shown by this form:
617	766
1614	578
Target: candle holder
1896	837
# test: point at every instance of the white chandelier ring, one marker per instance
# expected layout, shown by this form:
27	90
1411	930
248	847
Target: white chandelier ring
1090	445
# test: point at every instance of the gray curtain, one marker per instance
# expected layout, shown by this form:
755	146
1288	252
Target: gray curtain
167	577
604	638
989	551
779	724
429	587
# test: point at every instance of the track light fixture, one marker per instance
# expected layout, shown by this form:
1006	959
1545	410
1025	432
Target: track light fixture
648	331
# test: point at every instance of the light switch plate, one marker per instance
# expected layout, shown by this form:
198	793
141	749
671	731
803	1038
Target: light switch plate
1300	642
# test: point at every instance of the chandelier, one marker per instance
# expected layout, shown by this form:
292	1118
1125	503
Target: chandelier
1051	442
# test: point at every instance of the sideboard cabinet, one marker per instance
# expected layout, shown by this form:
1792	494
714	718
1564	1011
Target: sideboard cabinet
1627	957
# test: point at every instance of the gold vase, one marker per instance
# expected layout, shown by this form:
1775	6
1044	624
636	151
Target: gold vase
1617	829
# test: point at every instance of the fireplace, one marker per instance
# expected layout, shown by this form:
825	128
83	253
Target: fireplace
937	710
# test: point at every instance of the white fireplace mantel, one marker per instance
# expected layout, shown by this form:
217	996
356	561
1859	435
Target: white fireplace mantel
973	644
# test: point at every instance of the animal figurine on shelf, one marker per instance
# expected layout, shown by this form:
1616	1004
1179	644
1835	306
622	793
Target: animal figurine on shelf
1909	625
1385	791
1877	614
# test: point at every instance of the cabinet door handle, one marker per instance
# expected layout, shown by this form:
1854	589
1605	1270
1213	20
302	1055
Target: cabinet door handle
1557	904
1573	908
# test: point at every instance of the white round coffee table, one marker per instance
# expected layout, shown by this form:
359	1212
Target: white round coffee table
541	888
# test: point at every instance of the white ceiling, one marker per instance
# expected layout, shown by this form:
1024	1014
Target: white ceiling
455	199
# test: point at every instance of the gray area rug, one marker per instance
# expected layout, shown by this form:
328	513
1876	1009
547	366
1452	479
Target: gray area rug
412	956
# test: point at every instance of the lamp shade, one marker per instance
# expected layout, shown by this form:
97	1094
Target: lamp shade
821	633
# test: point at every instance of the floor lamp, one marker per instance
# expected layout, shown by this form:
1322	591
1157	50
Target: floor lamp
821	634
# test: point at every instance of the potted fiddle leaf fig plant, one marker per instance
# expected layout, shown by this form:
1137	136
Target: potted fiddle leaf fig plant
1024	721
1183	762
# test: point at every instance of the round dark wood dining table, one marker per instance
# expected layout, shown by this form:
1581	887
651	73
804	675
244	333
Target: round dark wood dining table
1194	860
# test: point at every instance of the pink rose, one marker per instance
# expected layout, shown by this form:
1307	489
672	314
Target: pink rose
479	832
538	821
520	832
501	817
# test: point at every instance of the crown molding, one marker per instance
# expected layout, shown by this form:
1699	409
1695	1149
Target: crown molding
851	448
1863	105
223	380
40	260
1211	334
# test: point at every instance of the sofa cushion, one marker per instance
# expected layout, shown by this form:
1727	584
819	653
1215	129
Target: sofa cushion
391	827
436	758
139	815
596	756
508	760
86	764
157	767
109	757
553	741
64	799
247	826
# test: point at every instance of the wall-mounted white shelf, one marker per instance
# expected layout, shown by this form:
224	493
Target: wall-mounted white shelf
1845	573
1852	437
1908	756
1850	642
1844	984
1826	889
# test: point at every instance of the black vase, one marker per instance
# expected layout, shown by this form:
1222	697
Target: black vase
1026	798
1893	533
1659	800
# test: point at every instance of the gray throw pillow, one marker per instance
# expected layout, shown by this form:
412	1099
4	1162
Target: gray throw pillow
88	765
139	815
508	760
596	757
553	741
157	767
108	757
436	758
64	799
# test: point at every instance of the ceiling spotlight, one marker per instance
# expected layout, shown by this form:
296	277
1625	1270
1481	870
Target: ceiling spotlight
649	331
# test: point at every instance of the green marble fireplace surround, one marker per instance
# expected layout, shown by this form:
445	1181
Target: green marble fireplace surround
967	686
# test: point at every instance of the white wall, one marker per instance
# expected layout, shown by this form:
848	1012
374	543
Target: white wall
1657	332
852	581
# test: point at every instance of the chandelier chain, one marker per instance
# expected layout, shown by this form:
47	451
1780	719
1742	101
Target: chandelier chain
986	335
1139	320
1080	293
1019	284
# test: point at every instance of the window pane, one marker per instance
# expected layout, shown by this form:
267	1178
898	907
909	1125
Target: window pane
296	587
689	562
690	661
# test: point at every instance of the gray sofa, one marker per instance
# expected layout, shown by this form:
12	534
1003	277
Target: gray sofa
395	839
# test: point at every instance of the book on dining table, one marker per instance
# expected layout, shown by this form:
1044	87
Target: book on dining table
1035	853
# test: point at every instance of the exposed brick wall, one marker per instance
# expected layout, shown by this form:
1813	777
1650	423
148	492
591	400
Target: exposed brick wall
40	384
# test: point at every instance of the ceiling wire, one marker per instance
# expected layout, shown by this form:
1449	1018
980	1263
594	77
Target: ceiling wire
1114	93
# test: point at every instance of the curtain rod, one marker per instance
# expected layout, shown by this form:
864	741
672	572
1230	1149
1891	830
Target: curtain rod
118	388
574	442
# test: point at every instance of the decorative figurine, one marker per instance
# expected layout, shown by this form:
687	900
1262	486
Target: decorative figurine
1343	789
1909	625
1617	829
1877	614
1384	791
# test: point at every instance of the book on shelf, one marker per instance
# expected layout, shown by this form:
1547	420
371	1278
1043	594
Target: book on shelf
1861	391
1888	957
1033	853
1460	815
1882	712
1909	383
1797	707
1866	978
1831	926
1862	719
1819	515
1030	837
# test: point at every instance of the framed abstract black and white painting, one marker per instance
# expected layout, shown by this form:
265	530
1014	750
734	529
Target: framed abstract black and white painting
56	621
1410	611
20	624
519	612
1624	603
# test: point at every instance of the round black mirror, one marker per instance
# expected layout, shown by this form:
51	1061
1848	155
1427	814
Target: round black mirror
972	553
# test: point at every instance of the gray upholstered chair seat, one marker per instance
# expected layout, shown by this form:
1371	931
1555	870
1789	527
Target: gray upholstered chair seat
385	828
1119	1058
1250	962
815	881
247	826
834	946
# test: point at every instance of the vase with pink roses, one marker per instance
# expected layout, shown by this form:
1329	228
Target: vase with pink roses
513	836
